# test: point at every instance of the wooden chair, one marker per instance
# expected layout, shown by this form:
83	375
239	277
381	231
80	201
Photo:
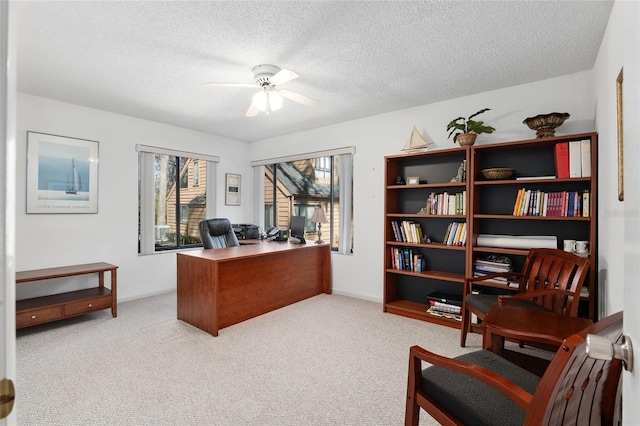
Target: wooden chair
550	280
481	388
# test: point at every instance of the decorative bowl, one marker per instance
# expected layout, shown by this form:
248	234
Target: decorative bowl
498	173
545	124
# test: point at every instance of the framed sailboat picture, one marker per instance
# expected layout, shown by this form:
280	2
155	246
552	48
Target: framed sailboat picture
62	174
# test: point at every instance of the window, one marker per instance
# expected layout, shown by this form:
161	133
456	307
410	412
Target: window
196	173
184	177
184	214
323	167
170	210
299	186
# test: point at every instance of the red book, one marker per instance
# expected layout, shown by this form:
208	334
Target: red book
562	159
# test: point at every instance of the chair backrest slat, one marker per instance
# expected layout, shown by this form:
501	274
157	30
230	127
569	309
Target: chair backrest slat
577	389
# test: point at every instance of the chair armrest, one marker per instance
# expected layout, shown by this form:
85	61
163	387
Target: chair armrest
530	295
496	381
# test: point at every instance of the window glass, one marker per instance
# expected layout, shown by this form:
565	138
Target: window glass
178	208
298	188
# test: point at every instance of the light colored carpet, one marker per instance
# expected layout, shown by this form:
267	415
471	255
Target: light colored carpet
328	360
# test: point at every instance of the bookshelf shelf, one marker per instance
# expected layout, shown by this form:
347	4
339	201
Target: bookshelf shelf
428	186
501	250
433	216
440	275
489	208
418	311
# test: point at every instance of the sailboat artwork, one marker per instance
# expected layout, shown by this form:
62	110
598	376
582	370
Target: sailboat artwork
74	183
416	142
62	174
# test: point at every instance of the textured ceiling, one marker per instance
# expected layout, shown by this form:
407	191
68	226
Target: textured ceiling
150	59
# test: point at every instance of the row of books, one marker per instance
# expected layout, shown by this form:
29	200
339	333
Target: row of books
456	234
447	204
532	202
573	159
407	231
406	259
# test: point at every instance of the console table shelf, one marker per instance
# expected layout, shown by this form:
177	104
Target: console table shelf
40	310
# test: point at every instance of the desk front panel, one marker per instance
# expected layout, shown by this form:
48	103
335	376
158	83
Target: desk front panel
257	285
219	288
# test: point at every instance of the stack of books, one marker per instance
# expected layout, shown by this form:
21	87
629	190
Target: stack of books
492	264
445	305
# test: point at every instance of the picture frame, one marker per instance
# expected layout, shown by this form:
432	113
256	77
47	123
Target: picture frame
413	180
232	189
62	174
619	106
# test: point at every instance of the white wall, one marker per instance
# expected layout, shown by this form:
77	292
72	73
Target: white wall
47	240
611	212
361	274
619	221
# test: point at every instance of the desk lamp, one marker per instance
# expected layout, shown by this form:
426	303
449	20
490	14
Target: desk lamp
319	218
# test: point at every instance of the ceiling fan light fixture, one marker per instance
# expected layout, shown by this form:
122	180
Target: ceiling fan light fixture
267	100
260	100
275	101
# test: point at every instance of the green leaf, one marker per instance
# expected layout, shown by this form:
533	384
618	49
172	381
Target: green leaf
478	113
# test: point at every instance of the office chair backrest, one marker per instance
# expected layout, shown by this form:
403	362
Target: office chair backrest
217	233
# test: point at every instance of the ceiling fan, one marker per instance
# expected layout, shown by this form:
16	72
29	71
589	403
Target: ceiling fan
269	98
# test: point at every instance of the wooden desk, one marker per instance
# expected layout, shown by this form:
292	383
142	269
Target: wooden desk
221	287
539	328
39	310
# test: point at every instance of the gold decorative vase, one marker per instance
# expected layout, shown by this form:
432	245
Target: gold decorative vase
466	139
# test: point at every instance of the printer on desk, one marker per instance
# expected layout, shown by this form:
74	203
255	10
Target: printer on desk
246	231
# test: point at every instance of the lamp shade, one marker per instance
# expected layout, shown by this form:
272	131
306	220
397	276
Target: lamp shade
319	216
267	100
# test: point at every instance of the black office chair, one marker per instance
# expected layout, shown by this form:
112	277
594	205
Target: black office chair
217	233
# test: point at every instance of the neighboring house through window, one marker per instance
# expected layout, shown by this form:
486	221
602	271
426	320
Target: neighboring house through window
300	185
170	212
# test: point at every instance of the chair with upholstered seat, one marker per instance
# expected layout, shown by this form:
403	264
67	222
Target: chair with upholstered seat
550	280
481	388
217	233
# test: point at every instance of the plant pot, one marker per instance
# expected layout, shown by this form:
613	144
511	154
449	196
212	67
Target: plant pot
466	139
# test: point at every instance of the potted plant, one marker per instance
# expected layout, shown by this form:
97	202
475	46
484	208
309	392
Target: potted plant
465	130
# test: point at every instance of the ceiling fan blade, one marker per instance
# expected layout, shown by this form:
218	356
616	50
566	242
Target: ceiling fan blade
283	76
252	111
297	97
252	85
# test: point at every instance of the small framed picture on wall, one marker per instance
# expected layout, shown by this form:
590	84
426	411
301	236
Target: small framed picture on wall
232	189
